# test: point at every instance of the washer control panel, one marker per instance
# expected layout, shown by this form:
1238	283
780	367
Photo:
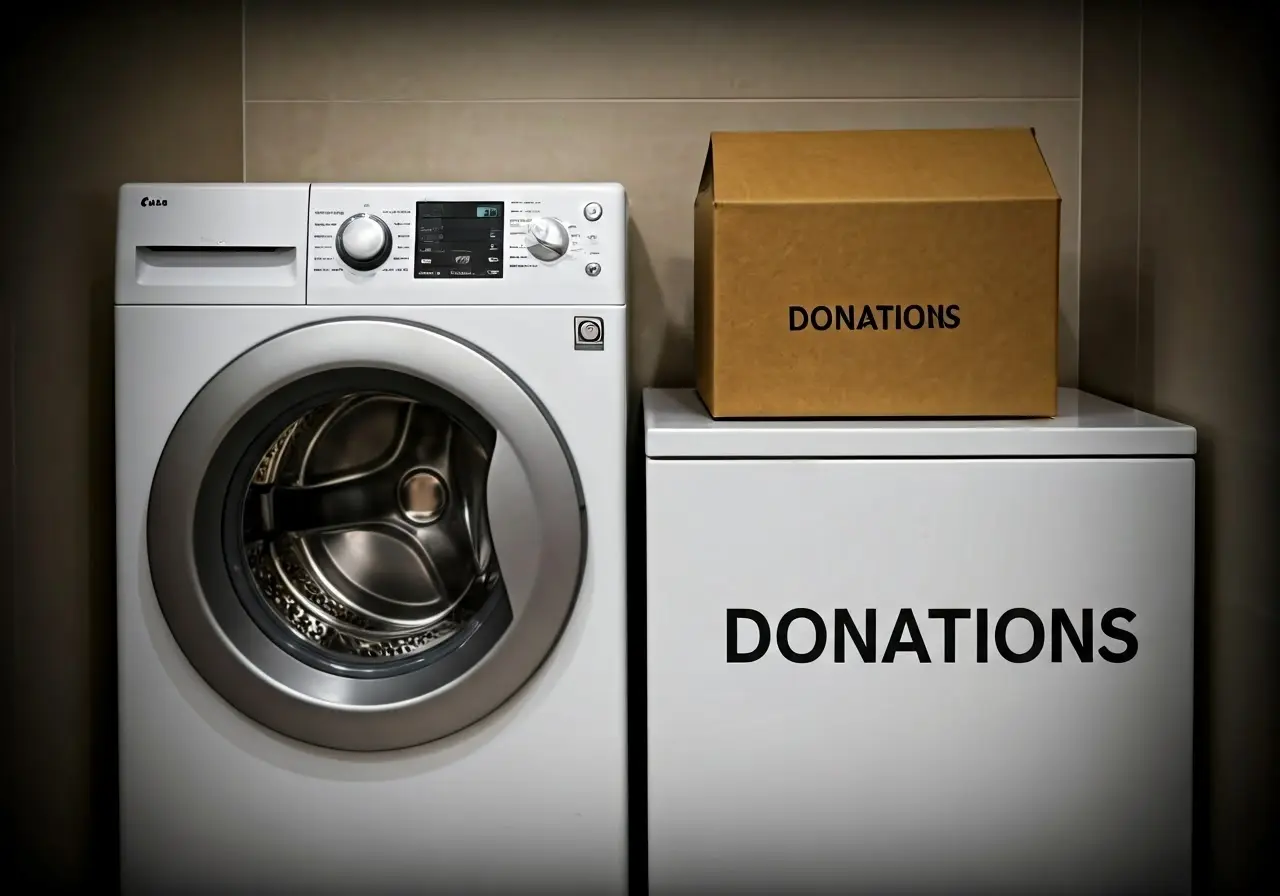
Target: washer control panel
458	240
466	243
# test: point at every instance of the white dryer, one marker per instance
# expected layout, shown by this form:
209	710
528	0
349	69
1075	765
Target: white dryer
926	657
370	490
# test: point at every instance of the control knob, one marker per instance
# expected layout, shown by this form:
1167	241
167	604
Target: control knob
547	239
364	242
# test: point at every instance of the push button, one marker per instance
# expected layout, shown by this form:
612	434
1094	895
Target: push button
593	211
593	269
588	334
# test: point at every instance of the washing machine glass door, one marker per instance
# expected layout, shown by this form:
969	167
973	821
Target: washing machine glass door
366	534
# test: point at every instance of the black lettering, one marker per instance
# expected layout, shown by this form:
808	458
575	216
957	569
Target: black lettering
868	319
804	318
953	316
906	624
897	317
884	315
145	200
982	636
762	626
919	317
845	317
846	627
1002	635
949	618
819	635
935	317
1127	638
1081	641
826	318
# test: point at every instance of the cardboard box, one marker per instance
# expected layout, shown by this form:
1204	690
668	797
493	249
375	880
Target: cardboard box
877	274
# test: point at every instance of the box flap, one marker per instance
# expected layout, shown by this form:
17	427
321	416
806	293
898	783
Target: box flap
870	166
677	425
704	182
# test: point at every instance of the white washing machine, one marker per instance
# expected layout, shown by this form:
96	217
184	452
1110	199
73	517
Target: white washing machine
919	657
370	490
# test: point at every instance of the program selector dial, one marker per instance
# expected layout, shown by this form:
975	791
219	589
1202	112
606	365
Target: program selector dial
547	239
364	242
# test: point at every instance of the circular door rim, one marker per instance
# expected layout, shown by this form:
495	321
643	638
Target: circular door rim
245	666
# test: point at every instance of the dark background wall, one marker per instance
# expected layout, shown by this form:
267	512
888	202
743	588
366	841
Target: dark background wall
133	92
1158	124
1179	212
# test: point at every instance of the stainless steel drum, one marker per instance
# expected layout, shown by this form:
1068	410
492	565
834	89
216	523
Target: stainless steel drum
365	527
326	523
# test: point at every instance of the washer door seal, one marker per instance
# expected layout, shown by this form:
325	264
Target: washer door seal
196	543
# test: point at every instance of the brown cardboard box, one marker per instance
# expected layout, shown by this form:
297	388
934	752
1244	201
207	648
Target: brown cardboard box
877	274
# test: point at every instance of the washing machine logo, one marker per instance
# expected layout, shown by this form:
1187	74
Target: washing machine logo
1019	636
153	202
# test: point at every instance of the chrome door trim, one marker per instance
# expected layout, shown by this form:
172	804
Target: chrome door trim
234	655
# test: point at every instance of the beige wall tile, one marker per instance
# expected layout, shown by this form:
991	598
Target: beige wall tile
655	149
384	49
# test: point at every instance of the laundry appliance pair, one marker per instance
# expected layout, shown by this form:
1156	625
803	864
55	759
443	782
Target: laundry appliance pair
371	469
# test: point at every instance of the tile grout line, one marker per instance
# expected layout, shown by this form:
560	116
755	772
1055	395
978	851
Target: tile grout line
674	100
1137	248
11	523
1079	198
244	92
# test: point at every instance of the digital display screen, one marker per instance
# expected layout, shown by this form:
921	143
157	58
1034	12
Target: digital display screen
458	240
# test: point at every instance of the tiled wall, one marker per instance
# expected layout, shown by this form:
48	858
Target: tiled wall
629	92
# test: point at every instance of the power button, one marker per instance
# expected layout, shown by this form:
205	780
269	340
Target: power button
588	334
592	211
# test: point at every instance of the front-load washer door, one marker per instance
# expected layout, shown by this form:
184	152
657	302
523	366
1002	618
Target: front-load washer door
366	534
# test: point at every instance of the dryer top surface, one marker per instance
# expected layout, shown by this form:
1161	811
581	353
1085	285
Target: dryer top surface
677	425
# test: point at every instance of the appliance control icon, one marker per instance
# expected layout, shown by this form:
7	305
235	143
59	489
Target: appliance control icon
588	334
